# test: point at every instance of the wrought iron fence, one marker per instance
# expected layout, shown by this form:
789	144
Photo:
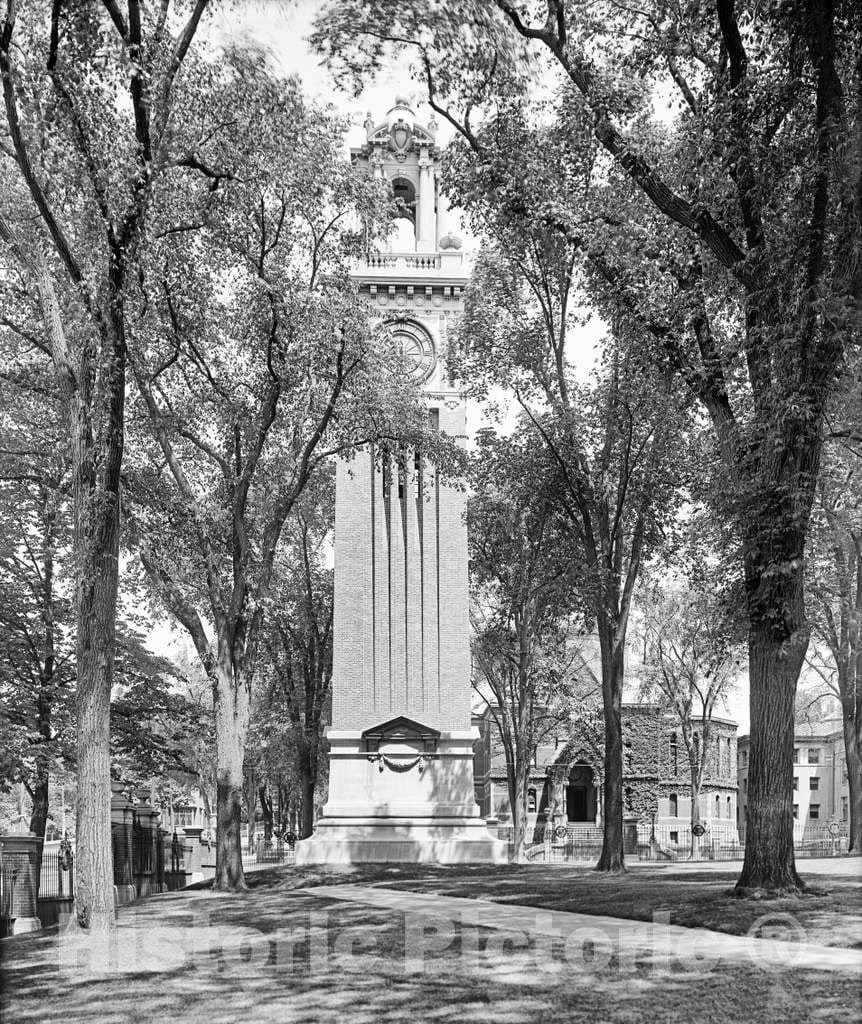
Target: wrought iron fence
57	877
263	853
8	877
663	843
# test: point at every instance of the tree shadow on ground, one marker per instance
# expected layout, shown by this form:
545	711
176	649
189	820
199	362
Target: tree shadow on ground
276	954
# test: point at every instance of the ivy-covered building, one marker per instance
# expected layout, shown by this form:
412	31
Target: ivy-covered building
566	781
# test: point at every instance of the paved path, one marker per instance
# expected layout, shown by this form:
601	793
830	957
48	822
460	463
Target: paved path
657	941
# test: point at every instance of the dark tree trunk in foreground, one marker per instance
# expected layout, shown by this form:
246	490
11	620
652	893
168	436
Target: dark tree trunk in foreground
777	644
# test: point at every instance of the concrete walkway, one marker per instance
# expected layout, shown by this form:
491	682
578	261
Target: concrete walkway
657	942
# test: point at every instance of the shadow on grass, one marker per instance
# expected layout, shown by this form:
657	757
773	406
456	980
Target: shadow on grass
277	954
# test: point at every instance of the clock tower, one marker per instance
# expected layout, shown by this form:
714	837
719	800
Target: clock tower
401	742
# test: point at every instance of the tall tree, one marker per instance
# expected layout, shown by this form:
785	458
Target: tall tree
523	606
88	96
291	374
606	443
731	238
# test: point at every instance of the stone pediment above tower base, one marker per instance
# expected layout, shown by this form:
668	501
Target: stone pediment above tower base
401	732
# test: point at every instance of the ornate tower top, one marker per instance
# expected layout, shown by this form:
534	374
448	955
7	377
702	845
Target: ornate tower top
416	280
405	151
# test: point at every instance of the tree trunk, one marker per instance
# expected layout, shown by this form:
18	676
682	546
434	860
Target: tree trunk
695	818
853	755
612	857
39	796
250	788
39	815
306	827
94	870
231	708
776	649
266	807
519	813
95	402
97	533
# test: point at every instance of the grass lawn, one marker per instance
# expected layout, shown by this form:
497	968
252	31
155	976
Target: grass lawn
831	914
277	954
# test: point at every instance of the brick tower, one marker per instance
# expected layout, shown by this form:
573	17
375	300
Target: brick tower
401	742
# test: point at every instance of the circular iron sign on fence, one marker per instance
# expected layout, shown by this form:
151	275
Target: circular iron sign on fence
698	830
560	832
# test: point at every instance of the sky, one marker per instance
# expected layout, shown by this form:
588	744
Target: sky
282	28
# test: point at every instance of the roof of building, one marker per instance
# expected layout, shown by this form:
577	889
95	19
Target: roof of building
825	730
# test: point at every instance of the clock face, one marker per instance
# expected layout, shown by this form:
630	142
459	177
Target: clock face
416	348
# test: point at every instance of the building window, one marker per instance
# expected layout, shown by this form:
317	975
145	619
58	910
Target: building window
795	783
673	805
814	755
814	783
745	785
814	811
531	801
729	812
674	837
184	817
717	806
674	752
796	755
796	810
843	808
744	757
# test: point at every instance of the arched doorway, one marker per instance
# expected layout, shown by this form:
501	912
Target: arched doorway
581	794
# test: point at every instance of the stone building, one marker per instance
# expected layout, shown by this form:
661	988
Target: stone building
568	770
821	791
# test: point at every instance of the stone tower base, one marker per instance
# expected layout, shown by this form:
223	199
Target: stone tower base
387	805
400	841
